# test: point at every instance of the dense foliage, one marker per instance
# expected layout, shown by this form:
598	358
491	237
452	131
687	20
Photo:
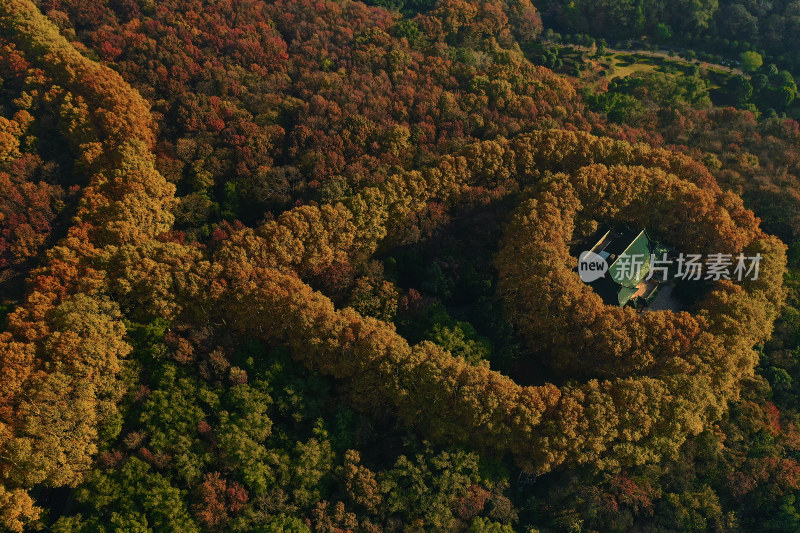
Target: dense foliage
306	266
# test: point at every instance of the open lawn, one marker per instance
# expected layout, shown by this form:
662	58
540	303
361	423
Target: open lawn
622	63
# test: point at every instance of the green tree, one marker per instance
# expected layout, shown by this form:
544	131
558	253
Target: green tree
133	498
663	32
461	340
751	61
740	90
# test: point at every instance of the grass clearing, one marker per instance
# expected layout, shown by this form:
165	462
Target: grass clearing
622	65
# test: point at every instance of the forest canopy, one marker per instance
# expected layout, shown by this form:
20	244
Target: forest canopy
310	266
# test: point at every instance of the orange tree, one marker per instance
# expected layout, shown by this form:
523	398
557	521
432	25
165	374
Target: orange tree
63	348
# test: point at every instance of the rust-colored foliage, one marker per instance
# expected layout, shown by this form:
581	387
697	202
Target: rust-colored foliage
63	349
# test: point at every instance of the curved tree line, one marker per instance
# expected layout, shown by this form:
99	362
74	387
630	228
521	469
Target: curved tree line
540	426
62	350
536	269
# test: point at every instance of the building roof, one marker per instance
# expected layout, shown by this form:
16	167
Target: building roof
628	254
622	269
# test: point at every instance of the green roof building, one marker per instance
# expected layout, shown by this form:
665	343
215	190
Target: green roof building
628	255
